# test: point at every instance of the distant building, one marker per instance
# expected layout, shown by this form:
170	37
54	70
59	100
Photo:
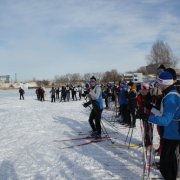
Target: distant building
133	77
149	78
5	78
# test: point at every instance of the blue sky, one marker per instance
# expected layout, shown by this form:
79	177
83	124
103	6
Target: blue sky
44	38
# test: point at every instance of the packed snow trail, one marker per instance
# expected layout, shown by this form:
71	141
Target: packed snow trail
29	129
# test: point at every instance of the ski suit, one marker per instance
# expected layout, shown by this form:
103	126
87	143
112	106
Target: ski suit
95	96
170	110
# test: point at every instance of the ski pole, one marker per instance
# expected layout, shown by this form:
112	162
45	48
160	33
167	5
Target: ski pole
113	117
127	135
112	126
130	137
112	142
151	146
144	153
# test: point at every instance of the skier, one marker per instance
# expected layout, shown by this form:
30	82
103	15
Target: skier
123	101
37	93
80	92
53	93
74	90
67	92
63	93
21	92
169	116
144	110
107	96
95	98
57	93
41	94
132	103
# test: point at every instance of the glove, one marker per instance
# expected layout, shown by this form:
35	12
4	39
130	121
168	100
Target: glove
83	95
85	105
141	115
144	116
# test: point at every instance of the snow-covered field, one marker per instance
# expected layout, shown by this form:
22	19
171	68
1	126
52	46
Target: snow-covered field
30	147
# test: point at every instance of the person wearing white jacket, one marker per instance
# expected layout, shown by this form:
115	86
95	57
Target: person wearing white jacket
95	98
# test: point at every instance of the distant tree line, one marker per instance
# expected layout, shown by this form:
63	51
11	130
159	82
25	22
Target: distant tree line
77	78
108	76
161	53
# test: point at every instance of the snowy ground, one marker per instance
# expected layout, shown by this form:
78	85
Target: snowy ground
30	146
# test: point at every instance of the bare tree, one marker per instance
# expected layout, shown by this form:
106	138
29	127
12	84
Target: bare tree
63	79
161	53
98	76
107	77
75	78
115	76
87	77
111	76
43	83
57	80
142	69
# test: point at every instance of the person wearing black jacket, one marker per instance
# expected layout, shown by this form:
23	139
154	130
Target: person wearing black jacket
21	92
132	102
53	93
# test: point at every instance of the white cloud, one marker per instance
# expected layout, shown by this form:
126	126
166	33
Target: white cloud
36	31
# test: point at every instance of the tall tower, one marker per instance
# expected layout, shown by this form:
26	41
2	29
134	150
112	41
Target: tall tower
15	80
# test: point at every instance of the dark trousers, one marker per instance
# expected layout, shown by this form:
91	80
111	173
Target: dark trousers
95	115
21	96
53	98
63	97
169	159
80	96
125	114
132	116
74	97
57	95
42	97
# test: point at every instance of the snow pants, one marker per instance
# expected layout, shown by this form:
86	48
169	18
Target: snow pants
169	159
95	115
53	99
21	96
125	113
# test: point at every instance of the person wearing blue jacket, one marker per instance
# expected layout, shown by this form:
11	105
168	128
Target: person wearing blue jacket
95	98
123	101
168	118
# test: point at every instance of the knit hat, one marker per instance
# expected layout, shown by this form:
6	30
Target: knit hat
173	73
87	85
145	86
93	79
165	78
161	69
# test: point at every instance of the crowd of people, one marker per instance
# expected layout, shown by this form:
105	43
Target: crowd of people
157	103
61	94
154	103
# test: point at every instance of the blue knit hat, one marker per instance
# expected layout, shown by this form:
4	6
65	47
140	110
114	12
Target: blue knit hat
165	78
87	85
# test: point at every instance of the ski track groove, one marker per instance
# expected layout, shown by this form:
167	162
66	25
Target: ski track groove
30	128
